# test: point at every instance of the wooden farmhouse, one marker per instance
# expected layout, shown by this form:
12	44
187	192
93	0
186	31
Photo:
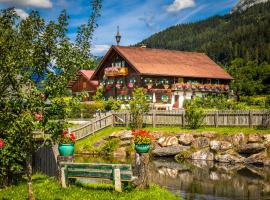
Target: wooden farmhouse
169	77
83	83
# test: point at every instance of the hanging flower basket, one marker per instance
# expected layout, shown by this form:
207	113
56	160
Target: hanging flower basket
130	85
108	87
118	85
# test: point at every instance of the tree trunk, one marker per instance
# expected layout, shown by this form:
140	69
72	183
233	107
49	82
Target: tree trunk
29	178
141	170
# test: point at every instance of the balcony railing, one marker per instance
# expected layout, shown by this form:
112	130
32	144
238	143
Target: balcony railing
200	87
116	71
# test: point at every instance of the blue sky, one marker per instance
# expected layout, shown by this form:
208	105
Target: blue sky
137	19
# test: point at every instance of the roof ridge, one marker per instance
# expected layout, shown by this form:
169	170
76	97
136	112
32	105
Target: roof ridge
150	48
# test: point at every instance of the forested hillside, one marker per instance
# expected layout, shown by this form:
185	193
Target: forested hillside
223	38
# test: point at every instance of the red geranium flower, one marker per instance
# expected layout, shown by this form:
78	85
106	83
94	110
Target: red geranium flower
72	136
2	143
38	116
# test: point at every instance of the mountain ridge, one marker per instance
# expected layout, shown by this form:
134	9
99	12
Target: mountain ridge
223	38
243	5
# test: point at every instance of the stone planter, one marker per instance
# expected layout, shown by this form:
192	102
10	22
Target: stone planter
142	148
66	149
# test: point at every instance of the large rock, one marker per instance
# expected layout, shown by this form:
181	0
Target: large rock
220	145
209	134
185	138
254	138
257	159
203	154
157	134
167	141
267	137
251	148
201	142
169	150
238	139
229	158
126	135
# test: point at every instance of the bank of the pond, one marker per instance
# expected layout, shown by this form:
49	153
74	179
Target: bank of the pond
48	188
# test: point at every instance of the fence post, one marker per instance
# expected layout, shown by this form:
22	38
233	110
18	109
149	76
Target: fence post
126	119
250	121
113	113
216	118
154	118
183	118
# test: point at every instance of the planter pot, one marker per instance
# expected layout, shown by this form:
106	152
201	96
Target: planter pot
142	148
66	149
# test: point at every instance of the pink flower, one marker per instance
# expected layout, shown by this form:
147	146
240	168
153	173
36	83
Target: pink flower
38	116
2	143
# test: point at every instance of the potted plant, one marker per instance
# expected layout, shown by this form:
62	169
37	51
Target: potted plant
66	144
142	140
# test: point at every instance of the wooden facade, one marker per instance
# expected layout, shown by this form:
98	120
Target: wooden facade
118	76
82	83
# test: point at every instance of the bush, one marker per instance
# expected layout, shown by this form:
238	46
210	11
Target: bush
194	116
110	146
112	104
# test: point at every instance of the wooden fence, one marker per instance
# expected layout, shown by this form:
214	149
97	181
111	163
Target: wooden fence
101	121
242	118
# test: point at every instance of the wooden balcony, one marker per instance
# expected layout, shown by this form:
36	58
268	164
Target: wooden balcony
116	71
218	88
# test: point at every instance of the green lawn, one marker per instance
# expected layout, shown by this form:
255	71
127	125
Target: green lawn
220	130
86	144
48	188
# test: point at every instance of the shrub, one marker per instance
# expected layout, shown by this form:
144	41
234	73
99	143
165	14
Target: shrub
112	104
194	116
111	145
137	107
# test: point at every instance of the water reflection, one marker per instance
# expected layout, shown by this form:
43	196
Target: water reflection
200	180
208	180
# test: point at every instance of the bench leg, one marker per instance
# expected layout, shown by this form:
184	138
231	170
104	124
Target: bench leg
63	178
117	180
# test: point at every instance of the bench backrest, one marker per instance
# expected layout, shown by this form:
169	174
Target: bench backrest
97	170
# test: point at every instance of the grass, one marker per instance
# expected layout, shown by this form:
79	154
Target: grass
86	144
48	188
219	130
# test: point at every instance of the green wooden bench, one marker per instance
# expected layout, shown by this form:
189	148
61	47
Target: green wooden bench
116	172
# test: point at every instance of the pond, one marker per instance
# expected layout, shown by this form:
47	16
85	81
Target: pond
201	180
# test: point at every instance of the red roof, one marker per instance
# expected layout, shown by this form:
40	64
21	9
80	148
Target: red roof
148	61
87	74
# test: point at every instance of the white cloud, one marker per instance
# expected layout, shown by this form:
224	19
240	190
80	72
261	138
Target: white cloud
100	49
178	5
21	13
29	3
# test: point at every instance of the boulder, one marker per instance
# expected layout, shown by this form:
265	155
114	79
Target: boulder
266	137
203	154
169	150
220	145
120	153
157	135
238	139
251	148
167	141
201	142
126	135
124	143
209	134
229	158
215	145
257	159
185	138
254	138
98	143
114	135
